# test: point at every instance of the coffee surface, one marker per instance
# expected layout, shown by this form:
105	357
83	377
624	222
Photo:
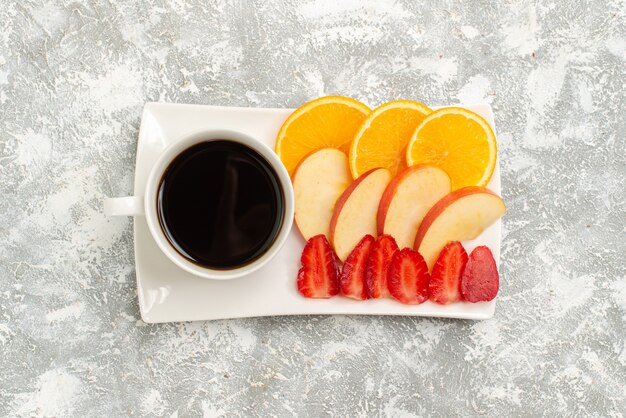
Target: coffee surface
220	204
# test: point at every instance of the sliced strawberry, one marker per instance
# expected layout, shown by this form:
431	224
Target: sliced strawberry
445	279
377	266
480	281
408	277
352	278
318	276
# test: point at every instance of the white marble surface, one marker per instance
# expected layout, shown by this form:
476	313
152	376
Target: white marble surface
73	79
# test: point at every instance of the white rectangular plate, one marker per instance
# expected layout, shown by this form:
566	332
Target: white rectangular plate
169	294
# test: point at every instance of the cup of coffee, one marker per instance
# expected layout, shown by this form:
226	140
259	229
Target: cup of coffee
218	203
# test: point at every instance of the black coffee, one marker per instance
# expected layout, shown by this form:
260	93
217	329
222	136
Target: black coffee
220	204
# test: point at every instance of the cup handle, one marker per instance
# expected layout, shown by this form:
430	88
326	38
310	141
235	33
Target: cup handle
124	206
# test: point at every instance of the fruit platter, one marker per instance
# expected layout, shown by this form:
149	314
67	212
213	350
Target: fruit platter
397	212
385	198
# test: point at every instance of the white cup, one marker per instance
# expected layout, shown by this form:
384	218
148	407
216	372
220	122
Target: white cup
146	205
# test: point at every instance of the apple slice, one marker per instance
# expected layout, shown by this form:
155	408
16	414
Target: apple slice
407	199
355	211
318	181
461	215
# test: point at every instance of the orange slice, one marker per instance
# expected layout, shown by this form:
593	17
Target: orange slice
458	141
327	122
382	138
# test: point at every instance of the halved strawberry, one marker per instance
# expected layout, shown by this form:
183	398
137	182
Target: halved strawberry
377	266
352	278
408	277
480	281
318	274
445	279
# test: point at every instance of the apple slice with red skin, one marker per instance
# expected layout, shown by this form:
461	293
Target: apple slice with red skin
461	215
407	199
318	181
355	211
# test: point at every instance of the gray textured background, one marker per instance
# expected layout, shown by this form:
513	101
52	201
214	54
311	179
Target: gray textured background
73	79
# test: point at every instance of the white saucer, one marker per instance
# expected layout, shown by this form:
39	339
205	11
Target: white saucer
169	294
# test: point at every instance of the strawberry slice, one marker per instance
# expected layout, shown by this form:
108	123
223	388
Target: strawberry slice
480	281
352	278
408	277
377	266
445	279
318	274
